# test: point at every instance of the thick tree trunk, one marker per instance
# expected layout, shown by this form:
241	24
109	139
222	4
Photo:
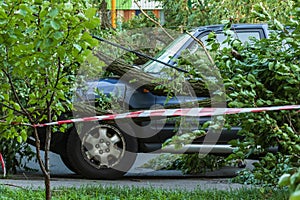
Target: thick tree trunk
105	21
141	77
149	82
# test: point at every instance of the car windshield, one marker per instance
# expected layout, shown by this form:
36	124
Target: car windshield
166	55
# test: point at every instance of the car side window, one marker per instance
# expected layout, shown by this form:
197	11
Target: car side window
242	35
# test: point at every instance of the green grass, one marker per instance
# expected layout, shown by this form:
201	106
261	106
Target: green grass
88	193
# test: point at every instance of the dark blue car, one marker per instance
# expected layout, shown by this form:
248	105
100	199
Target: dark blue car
108	149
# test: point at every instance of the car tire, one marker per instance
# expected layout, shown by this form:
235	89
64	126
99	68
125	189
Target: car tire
64	158
101	151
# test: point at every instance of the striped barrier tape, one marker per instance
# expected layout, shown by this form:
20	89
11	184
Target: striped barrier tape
188	112
3	165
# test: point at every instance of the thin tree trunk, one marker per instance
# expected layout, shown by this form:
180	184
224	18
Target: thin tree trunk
42	164
47	186
46	157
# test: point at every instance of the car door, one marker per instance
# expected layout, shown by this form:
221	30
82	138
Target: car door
243	34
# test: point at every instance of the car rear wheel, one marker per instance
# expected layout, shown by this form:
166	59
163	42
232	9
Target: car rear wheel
101	151
68	164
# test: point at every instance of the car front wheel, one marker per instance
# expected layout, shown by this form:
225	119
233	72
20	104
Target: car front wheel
101	151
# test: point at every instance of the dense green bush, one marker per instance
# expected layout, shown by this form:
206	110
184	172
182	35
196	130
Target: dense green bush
264	73
16	154
267	73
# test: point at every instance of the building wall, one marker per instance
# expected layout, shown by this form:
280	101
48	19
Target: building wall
130	5
129	14
127	9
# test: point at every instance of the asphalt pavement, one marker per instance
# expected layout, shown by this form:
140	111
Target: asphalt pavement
136	177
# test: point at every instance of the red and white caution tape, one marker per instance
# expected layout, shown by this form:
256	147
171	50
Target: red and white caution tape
3	165
188	112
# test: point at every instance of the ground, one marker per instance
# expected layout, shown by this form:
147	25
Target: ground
137	177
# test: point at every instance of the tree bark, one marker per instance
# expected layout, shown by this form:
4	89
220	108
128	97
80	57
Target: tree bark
105	22
149	81
47	186
47	150
41	163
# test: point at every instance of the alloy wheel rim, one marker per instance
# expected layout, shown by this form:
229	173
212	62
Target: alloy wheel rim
103	146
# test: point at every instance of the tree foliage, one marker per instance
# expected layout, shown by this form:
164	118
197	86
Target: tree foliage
42	45
192	13
267	73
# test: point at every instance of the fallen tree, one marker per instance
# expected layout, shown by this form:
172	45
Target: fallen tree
136	75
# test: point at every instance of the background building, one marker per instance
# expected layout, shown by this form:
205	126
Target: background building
127	9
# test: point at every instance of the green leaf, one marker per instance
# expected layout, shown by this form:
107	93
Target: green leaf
92	23
284	180
90	12
21	12
17	107
19	139
89	39
68	6
24	134
295	178
251	78
54	25
77	46
295	195
278	24
212	35
82	16
3	14
54	12
225	21
58	35
228	32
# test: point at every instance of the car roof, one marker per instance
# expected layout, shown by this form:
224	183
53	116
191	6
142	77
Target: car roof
220	27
